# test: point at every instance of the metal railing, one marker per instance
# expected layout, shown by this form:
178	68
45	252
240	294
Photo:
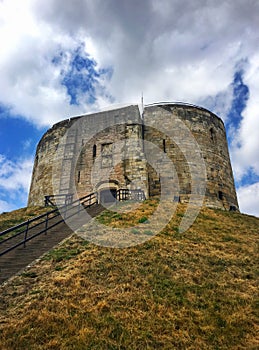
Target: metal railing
20	234
58	199
125	194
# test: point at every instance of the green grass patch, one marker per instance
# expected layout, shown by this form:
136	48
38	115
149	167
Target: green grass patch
143	219
62	253
135	231
228	238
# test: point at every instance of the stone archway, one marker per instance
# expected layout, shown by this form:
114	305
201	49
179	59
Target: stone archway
107	191
107	195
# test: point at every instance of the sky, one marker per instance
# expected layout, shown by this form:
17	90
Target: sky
61	58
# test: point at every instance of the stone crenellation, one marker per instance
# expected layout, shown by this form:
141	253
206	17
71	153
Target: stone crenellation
171	148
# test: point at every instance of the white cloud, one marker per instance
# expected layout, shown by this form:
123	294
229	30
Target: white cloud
171	50
248	197
177	50
30	84
246	143
15	176
5	206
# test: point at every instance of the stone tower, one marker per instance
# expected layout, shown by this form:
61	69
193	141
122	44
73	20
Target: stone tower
174	149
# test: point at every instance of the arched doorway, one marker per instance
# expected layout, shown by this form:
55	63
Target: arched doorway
107	191
108	195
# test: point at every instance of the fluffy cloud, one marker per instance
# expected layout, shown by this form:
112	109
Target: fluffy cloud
15	176
14	182
248	197
31	83
6	206
169	50
246	141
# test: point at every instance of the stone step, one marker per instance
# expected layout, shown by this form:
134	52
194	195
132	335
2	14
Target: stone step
16	260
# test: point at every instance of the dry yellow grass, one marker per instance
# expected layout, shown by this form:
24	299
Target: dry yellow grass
195	290
10	219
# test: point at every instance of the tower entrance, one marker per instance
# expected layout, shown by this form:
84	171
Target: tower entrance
108	195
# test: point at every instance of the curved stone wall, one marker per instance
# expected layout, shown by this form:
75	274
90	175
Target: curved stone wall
209	132
101	150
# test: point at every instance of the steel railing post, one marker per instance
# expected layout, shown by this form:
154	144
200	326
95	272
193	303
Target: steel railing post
46	223
26	233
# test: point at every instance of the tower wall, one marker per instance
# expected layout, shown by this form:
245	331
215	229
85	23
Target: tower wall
115	149
89	153
41	182
209	133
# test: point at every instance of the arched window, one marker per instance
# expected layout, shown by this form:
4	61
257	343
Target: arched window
94	151
164	146
212	135
221	195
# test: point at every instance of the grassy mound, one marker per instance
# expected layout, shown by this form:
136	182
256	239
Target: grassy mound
195	290
16	217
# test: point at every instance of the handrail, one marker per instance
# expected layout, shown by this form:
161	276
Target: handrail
46	220
23	229
127	194
67	199
13	228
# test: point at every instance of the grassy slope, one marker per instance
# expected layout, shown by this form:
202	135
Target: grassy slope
195	290
18	216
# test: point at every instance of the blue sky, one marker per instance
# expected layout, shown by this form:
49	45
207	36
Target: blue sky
61	58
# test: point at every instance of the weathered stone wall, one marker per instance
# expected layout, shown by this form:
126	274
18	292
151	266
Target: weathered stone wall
93	152
88	153
209	132
41	183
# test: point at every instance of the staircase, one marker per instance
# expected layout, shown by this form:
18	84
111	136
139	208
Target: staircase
22	244
18	258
